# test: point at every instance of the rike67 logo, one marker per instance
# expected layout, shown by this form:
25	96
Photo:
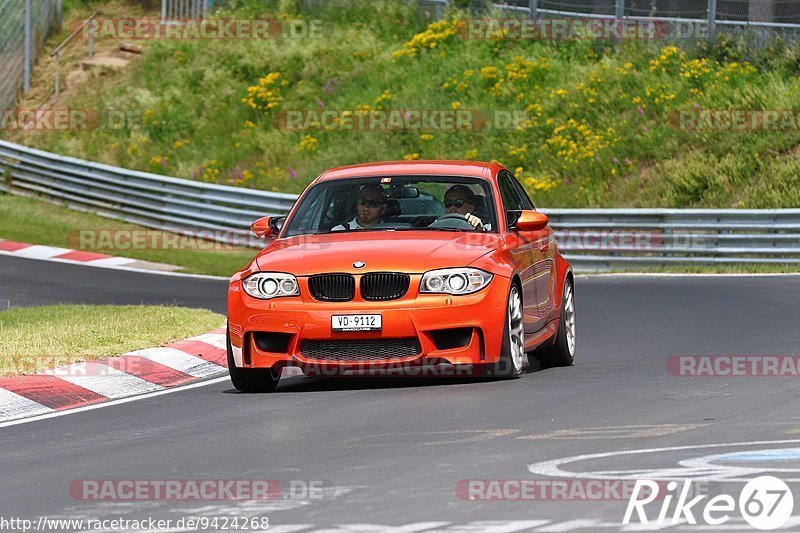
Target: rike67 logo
765	503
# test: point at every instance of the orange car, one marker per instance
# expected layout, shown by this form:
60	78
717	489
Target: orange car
402	264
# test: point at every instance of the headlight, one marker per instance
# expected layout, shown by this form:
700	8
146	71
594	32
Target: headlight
267	285
454	281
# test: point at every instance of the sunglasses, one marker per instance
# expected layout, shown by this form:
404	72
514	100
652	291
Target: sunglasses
457	203
370	203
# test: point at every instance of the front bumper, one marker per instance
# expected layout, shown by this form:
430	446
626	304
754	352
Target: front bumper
448	329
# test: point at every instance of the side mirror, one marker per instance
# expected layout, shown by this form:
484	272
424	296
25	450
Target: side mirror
529	220
262	228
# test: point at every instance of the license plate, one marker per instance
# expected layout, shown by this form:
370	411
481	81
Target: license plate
356	322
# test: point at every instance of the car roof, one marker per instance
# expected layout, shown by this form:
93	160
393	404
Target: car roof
477	169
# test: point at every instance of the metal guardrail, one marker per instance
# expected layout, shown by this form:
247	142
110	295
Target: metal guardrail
621	239
691	19
151	200
592	239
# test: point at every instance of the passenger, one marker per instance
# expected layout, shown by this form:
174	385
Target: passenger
461	200
371	206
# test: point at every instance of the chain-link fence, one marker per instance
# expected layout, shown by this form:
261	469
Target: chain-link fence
185	9
22	22
763	18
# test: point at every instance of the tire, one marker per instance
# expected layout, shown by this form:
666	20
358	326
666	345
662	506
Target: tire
562	352
512	352
250	379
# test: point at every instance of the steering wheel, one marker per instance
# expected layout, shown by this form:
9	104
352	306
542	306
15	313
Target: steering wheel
452	221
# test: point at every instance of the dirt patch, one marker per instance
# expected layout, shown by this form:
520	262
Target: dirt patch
75	65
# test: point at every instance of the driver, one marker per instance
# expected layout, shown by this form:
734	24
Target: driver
459	199
371	207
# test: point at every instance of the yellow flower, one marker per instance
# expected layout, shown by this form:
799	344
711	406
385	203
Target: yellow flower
455	105
385	96
471	154
411	157
490	73
177	145
308	143
436	34
266	95
426	137
542	183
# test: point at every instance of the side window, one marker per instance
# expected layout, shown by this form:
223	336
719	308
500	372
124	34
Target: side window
523	194
509	193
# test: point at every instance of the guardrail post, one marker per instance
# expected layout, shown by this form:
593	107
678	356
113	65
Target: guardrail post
163	10
27	54
91	39
58	72
533	8
60	11
712	19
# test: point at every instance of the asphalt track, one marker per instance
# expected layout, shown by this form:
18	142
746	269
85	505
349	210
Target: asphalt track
391	451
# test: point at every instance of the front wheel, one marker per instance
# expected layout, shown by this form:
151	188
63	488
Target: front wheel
512	353
562	352
250	379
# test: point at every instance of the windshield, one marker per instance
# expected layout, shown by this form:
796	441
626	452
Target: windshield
437	203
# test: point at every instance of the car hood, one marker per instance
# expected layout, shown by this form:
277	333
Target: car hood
383	251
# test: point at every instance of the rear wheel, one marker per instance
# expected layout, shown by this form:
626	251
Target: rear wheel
251	379
562	353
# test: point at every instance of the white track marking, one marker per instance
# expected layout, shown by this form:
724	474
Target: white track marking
12	405
110	261
214	339
572	525
180	361
494	526
121	268
113	402
107	381
41	252
552	468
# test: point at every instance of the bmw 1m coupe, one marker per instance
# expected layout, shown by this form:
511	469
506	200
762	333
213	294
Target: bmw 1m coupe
408	264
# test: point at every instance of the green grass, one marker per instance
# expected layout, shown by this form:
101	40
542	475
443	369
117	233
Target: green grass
38	338
36	222
598	130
